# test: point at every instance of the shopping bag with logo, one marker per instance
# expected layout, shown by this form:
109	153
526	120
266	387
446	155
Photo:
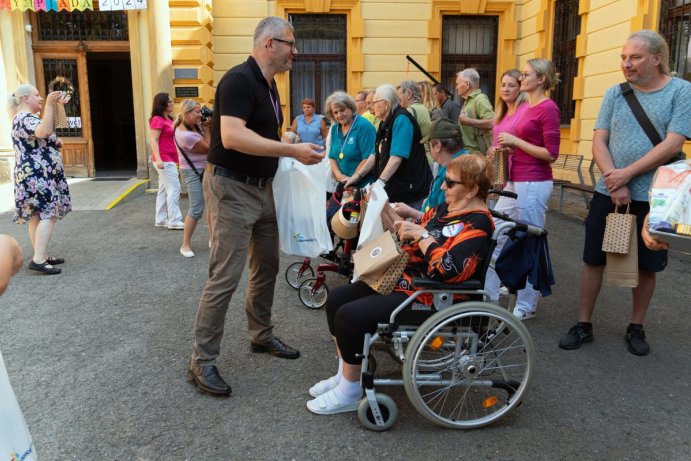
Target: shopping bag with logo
372	260
299	194
372	226
622	269
618	230
15	440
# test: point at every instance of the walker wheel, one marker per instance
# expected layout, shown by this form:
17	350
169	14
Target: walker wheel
387	407
293	276
312	300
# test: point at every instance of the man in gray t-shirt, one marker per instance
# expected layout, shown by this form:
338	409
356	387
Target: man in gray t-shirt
628	160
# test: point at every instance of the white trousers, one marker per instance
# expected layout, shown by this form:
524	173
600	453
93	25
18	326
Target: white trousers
168	197
531	207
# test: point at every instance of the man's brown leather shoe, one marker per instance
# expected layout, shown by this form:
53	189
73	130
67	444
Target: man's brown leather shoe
277	348
208	379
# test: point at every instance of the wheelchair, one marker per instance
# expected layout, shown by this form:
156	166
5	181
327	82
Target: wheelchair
465	365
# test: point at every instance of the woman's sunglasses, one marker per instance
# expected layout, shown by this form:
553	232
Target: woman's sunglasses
450	182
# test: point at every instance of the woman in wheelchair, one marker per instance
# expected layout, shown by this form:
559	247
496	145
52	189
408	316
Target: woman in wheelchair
448	243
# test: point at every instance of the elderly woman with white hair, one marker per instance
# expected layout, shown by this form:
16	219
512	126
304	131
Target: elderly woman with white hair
352	138
41	194
400	161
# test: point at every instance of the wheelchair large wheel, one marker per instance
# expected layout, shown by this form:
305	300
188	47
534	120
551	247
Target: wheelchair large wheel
387	407
315	300
293	276
468	365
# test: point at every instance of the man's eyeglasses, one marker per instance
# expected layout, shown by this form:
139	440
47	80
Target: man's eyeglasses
450	182
287	42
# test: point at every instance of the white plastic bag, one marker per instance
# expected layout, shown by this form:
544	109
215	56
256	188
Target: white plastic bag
300	196
372	226
15	440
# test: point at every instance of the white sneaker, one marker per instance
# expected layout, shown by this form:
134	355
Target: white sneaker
176	226
187	253
323	386
161	224
520	314
329	404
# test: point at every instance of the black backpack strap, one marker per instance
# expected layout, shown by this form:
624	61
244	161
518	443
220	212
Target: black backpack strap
639	113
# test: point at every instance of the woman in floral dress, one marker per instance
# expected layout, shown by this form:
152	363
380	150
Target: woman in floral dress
41	194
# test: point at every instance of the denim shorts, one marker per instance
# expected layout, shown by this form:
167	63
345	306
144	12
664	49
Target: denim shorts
600	206
194	192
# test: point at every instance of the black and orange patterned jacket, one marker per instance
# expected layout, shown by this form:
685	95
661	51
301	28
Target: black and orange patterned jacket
462	240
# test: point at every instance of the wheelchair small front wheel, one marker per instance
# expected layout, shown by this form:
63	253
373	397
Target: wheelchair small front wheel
314	299
387	407
293	276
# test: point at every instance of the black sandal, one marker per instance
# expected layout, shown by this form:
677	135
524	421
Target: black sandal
44	268
55	261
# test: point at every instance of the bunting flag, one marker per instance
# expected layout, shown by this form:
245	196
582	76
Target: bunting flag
72	5
64	5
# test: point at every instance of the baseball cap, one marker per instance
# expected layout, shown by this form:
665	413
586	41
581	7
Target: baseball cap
444	128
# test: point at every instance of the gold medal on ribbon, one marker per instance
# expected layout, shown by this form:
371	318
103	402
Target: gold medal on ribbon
340	156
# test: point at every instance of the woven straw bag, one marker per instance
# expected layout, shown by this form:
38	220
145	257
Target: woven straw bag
618	232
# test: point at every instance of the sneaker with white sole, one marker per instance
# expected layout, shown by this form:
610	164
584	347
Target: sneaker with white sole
329	404
323	386
520	314
176	226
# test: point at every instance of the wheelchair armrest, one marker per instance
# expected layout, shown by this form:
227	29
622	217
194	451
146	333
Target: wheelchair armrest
470	284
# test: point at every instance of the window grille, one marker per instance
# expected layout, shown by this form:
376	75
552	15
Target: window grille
567	26
65	68
82	25
675	26
469	41
320	67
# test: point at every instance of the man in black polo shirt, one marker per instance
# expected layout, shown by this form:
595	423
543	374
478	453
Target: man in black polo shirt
243	158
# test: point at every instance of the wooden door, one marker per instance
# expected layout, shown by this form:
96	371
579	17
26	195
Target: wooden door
77	151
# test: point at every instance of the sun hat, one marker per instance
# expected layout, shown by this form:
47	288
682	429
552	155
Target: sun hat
343	227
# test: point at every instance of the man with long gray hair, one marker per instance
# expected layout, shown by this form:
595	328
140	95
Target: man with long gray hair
628	157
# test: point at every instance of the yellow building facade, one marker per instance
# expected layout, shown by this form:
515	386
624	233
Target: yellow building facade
184	46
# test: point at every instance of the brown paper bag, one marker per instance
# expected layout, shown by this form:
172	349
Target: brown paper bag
622	269
372	260
617	238
385	284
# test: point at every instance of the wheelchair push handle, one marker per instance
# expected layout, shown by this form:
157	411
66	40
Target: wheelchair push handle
504	193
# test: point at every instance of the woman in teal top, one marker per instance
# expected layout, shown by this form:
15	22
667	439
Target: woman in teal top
309	126
352	137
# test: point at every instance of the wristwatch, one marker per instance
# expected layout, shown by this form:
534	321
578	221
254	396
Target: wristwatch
423	236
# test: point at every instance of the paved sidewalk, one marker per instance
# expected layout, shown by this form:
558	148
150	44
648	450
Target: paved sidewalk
97	358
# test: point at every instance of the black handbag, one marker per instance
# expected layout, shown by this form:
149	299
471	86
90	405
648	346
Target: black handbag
644	121
187	159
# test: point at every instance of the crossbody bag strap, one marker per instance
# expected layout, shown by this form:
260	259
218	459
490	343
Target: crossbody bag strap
639	113
187	159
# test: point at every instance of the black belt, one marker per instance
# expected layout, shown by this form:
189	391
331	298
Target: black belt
235	176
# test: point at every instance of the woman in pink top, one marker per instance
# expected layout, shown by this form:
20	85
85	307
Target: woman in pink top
164	156
534	145
192	138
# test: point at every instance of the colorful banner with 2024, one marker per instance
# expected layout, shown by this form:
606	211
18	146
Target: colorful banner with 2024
71	5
